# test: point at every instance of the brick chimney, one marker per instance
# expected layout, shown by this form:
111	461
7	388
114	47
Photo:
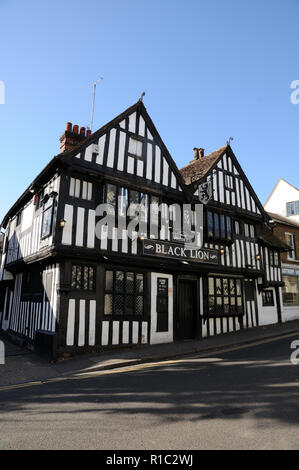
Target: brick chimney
72	137
198	153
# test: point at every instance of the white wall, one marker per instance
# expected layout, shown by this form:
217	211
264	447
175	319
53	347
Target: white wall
282	194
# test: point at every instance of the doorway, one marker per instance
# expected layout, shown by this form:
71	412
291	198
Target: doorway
186	324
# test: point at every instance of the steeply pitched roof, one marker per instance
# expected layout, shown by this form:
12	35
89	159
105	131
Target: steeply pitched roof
197	169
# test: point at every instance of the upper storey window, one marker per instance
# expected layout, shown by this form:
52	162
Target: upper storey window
229	182
47	217
292	208
219	226
135	147
290	240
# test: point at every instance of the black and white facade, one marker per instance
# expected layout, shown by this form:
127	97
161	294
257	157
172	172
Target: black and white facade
73	286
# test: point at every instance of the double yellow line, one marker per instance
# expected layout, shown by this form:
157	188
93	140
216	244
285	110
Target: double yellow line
137	367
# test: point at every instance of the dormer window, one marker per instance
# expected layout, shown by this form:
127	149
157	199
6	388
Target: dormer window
292	208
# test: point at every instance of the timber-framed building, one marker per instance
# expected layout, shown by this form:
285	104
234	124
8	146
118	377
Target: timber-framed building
65	289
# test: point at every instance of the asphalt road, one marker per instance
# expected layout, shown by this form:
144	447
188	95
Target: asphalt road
243	399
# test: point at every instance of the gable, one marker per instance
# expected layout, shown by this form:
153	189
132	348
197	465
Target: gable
132	146
282	193
230	185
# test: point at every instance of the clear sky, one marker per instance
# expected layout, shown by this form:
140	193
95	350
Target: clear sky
211	69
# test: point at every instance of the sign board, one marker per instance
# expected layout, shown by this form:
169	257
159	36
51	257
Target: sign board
180	252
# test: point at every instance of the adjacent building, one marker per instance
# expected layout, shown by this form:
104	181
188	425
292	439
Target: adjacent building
70	284
283	209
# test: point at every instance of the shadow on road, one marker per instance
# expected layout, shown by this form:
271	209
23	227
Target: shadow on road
228	385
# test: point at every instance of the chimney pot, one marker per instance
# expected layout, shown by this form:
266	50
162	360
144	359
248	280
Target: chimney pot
68	126
75	129
88	132
202	152
82	130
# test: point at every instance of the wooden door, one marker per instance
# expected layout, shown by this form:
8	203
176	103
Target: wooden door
186	311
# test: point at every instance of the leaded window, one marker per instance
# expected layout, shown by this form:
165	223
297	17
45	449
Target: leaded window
124	293
225	296
83	277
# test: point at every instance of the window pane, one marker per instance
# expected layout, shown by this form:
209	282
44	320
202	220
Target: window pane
212	305
290	292
130	283
47	221
135	147
85	278
216	226
129	308
139	305
211	285
119	281
232	287
109	280
210	224
74	276
139	283
111	194
108	304
78	277
218	286
91	279
228	228
222	226
119	305
225	286
238	284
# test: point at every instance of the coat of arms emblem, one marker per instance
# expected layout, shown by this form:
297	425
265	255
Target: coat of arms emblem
205	192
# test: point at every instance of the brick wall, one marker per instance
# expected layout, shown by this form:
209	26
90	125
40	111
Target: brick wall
280	230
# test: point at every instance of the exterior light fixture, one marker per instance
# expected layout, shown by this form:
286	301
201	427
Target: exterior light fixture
185	262
258	257
222	251
142	237
62	223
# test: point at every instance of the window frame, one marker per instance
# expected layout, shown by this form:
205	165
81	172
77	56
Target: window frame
237	282
124	294
288	205
216	233
81	288
293	247
46	208
265	301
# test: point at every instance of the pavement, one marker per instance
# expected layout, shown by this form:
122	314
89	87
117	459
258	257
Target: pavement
23	366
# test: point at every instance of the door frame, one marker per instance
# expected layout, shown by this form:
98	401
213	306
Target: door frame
163	336
196	281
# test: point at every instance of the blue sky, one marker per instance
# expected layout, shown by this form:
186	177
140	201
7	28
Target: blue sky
211	69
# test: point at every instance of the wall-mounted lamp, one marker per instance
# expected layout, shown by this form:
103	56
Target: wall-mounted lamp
184	262
222	251
62	223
